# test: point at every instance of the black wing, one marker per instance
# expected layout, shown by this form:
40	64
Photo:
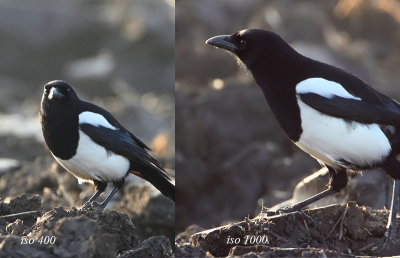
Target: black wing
87	106
122	143
353	109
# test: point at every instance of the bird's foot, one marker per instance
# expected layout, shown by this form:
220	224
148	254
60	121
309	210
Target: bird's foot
99	205
285	210
93	204
313	223
291	209
391	244
86	205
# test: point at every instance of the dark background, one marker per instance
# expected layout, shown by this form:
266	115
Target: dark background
231	153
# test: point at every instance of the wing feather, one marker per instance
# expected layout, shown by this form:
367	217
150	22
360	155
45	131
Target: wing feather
122	143
353	109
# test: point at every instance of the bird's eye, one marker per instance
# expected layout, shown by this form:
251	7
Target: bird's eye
242	44
46	90
68	89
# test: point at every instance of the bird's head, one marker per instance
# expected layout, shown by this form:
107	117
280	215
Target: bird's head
252	45
58	93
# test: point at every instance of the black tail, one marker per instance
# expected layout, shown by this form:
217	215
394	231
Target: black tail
156	177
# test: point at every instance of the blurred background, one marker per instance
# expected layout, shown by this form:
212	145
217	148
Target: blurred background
116	54
231	154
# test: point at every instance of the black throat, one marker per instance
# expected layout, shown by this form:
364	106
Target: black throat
60	126
278	82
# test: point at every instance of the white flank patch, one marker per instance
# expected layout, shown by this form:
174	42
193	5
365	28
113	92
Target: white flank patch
328	139
92	162
94	119
323	87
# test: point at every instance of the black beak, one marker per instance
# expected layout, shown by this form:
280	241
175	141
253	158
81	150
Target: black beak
55	94
224	42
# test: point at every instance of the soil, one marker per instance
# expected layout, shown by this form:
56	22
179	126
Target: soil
69	232
139	222
345	230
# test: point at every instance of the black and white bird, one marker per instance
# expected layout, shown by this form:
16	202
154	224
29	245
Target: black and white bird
329	113
90	143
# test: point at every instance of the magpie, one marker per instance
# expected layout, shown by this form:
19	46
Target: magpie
329	113
93	146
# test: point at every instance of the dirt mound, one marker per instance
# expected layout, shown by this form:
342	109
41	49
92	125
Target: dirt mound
69	232
344	230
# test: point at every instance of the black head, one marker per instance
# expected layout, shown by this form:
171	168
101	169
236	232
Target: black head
58	92
58	95
252	45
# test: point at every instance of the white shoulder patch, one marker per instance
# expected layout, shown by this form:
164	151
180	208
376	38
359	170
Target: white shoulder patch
324	88
94	119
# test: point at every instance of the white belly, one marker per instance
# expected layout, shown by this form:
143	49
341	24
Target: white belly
329	139
91	162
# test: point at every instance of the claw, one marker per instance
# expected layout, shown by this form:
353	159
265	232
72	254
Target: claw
390	240
270	213
93	204
86	205
309	219
99	205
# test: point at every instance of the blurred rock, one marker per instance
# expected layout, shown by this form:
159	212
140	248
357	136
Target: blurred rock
92	27
152	213
230	164
8	165
98	67
31	178
20	204
22	147
184	236
188	250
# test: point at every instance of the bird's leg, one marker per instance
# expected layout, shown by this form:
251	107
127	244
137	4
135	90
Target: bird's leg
117	185
100	188
89	202
338	180
300	205
390	235
391	167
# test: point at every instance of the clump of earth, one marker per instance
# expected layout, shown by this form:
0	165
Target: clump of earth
346	230
70	232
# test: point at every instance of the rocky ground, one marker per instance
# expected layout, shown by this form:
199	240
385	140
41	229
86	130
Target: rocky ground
345	230
69	232
138	222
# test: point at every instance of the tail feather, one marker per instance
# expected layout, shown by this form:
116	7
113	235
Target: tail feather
156	177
